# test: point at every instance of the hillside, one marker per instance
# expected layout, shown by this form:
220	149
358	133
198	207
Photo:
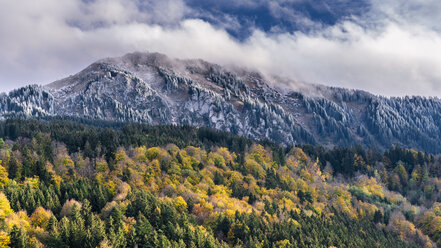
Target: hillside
66	184
157	90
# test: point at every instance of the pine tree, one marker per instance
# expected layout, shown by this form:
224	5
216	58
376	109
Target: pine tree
14	169
19	238
146	235
97	232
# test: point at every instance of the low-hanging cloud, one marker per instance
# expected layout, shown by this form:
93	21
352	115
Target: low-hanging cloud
386	53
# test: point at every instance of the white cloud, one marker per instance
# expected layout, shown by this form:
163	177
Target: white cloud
47	40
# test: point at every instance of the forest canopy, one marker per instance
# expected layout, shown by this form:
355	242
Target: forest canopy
66	184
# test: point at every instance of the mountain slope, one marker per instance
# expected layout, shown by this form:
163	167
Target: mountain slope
155	89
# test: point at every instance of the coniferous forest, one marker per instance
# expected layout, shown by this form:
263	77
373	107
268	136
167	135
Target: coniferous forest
67	184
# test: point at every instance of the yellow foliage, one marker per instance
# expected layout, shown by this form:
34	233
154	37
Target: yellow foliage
224	203
186	161
416	174
111	186
136	180
261	156
366	210
100	178
5	207
282	244
203	230
370	186
174	169
153	153
230	213
287	203
299	155
20	219
435	225
401	226
436	208
41	217
195	152
301	185
233	176
220	205
172	149
123	190
216	159
342	199
253	167
202	207
55	178
120	155
129	223
34	242
221	190
153	170
292	163
225	154
294	222
102	166
4	180
305	175
318	207
402	172
315	169
358	161
32	181
180	203
67	161
4	240
140	154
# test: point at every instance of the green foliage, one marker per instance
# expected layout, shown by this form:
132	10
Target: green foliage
66	184
19	239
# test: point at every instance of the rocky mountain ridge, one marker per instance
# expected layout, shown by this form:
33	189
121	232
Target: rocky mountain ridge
154	89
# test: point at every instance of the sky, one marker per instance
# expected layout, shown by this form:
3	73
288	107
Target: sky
387	47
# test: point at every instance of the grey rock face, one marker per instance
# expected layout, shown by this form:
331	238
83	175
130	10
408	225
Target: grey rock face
154	89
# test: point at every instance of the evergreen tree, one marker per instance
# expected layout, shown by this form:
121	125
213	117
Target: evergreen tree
14	168
18	238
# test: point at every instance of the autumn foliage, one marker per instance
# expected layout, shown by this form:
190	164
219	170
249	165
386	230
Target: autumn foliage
141	187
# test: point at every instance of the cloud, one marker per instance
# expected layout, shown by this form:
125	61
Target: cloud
385	52
44	40
394	61
417	12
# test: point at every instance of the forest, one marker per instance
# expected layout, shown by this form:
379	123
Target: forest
67	184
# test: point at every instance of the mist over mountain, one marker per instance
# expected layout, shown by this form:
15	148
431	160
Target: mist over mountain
155	89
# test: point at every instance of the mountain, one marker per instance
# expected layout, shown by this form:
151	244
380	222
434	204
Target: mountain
154	89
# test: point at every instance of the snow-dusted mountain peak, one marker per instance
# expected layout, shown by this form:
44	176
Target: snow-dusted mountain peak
155	89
